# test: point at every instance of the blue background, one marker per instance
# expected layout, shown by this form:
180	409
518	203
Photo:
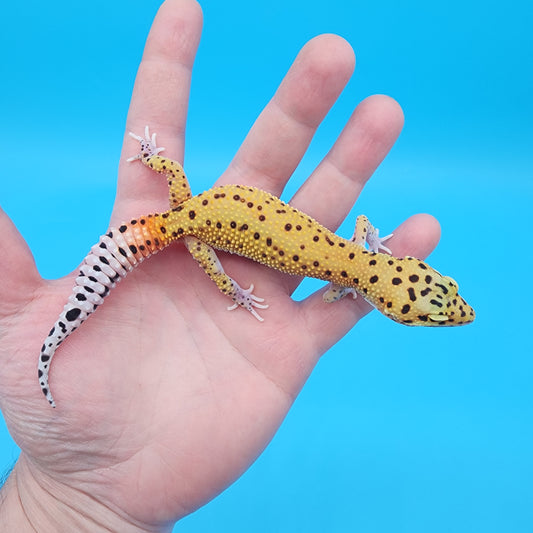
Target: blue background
398	429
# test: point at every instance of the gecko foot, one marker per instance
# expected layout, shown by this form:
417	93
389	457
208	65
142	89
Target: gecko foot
375	242
335	293
148	145
245	298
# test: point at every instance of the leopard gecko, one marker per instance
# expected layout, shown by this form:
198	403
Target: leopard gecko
257	225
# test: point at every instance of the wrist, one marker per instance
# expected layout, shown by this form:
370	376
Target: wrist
29	502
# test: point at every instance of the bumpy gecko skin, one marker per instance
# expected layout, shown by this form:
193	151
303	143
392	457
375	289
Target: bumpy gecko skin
257	225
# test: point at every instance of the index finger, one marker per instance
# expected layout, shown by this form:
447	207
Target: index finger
160	99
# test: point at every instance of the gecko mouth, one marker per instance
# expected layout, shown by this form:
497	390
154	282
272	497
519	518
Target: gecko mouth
438	318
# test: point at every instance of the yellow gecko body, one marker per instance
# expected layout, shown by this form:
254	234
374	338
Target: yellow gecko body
257	225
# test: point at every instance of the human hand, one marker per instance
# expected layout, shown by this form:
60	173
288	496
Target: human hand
164	397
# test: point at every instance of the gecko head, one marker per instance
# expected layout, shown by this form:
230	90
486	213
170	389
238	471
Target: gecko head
417	295
455	310
439	303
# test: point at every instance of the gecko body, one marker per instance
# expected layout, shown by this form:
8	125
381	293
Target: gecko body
257	225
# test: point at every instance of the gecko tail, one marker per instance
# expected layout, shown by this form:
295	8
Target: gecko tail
109	260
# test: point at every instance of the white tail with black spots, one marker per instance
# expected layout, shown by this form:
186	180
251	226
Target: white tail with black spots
109	260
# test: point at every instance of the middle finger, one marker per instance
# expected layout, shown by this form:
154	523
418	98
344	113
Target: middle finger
281	134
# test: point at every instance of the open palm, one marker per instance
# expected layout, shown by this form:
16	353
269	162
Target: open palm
164	397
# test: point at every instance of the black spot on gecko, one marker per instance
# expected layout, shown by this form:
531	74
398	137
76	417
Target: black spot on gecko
444	288
428	279
122	229
413	278
373	279
412	295
288	227
192	215
396	281
372	262
425	292
73	314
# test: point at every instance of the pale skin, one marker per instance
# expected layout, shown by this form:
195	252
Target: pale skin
164	397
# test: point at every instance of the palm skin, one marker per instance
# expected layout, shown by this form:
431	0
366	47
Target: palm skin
164	397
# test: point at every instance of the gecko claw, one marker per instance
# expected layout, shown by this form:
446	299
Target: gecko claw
148	145
245	298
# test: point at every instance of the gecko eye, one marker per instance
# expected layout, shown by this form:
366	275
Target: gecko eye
452	283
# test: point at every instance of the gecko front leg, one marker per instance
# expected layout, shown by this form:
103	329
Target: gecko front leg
179	189
364	233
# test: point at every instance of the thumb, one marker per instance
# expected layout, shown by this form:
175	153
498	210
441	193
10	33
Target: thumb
18	274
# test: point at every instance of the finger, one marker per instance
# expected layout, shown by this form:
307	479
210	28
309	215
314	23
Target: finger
327	323
160	99
283	131
330	192
17	268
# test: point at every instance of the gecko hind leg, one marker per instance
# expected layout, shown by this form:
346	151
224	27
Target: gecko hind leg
207	258
364	234
179	189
